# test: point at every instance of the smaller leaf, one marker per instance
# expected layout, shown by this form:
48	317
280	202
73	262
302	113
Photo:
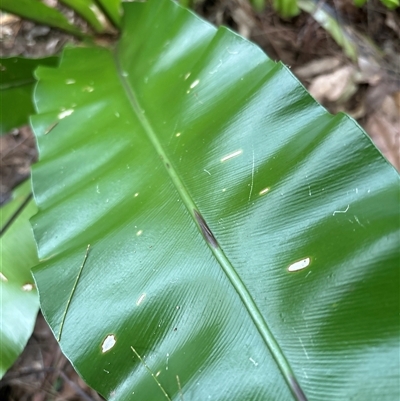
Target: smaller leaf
113	9
89	10
19	301
16	88
359	3
259	5
391	4
39	12
286	8
331	25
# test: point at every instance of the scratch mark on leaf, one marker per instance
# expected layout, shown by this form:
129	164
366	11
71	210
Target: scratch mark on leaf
51	127
151	373
216	68
358	221
179	387
304	348
341	211
72	293
253	361
252	178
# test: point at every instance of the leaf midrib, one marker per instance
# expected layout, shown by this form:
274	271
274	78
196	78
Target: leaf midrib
217	251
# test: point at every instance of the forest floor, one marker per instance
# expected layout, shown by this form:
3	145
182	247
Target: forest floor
367	88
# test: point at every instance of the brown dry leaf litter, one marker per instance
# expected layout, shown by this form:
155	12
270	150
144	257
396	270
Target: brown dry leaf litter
17	153
42	373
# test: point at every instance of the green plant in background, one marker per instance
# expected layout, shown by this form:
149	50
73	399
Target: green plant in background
205	228
16	88
286	8
326	17
19	301
390	4
291	8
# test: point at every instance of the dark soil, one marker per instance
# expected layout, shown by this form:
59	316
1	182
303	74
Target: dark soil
370	93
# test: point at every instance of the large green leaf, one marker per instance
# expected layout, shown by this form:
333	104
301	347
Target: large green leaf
40	12
19	301
16	89
207	230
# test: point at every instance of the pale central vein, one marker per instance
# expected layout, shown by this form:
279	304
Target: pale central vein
219	254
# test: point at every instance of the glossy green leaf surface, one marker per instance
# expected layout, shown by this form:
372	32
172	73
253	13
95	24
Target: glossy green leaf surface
89	10
19	301
16	88
208	230
39	12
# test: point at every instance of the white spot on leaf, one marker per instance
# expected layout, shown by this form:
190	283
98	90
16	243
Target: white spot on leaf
232	155
108	343
195	83
253	361
65	113
27	287
299	265
264	191
140	299
70	81
3	277
139	233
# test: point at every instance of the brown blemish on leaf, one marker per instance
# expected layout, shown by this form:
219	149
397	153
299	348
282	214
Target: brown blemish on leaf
297	390
51	127
207	234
